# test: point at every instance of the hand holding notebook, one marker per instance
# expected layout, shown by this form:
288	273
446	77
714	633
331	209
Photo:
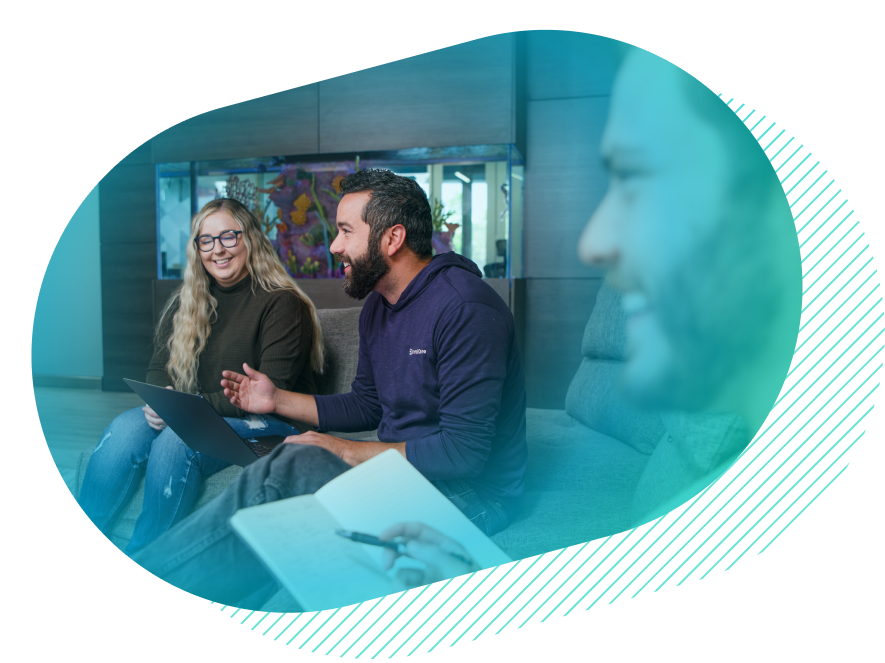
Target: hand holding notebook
296	539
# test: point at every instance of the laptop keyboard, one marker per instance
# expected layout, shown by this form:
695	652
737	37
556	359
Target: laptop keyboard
259	449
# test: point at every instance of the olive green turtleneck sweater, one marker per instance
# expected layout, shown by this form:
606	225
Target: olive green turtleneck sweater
270	331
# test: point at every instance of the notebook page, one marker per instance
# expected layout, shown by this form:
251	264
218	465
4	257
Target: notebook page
386	490
296	540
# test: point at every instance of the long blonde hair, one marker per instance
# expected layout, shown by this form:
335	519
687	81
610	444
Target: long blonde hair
192	322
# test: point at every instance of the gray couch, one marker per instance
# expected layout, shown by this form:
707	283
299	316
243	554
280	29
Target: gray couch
595	468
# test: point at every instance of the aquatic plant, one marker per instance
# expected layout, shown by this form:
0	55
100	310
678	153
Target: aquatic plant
310	267
292	263
439	215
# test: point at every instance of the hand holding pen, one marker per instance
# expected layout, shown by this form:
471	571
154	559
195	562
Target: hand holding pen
443	557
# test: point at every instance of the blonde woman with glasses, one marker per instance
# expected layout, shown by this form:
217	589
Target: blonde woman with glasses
236	305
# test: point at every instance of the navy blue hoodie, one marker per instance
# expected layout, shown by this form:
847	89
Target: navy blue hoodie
440	370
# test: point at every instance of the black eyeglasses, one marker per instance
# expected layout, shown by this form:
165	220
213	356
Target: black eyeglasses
228	239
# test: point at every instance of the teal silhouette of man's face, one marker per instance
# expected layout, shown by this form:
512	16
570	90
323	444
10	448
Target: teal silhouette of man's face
670	232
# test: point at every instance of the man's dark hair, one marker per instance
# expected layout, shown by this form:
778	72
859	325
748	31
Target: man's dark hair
395	200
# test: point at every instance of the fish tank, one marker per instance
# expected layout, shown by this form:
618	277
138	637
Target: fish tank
475	194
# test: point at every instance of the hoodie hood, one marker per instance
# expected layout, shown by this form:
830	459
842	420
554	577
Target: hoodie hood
439	264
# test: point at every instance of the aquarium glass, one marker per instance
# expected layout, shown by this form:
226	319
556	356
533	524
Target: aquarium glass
296	199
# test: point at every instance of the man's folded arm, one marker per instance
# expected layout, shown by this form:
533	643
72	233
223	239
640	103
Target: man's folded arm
472	365
347	413
448	455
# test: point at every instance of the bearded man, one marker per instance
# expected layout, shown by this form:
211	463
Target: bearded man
439	375
698	238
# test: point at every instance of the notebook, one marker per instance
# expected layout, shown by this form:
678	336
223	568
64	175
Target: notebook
296	539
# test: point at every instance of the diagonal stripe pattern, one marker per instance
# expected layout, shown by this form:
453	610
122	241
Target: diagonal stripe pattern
801	450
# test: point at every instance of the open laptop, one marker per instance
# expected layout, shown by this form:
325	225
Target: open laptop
201	428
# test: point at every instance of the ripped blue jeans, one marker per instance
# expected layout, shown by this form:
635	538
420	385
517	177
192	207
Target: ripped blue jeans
173	472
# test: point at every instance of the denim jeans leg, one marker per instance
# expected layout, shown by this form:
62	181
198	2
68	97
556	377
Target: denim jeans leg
491	517
175	473
115	466
256	425
171	484
203	555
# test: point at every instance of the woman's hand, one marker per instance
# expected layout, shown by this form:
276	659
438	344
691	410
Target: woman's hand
153	419
252	392
444	558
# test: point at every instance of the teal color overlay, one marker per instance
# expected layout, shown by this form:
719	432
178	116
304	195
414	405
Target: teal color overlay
67	337
801	450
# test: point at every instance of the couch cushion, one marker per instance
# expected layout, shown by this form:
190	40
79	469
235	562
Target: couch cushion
696	449
605	334
579	486
594	399
341	348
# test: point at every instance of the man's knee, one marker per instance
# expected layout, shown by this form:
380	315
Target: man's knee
302	469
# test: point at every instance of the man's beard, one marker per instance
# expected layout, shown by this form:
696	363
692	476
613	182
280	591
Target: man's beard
716	312
365	272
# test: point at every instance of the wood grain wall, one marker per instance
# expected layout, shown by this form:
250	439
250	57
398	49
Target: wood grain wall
128	235
568	82
547	92
279	124
462	95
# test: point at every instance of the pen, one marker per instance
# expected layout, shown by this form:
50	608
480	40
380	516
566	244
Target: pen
398	546
368	539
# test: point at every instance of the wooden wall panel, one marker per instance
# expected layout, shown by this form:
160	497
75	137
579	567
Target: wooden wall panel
278	124
568	80
557	311
127	205
140	155
161	292
565	65
128	223
127	316
462	95
564	182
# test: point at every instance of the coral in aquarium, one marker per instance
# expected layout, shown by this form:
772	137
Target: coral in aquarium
306	203
246	192
310	267
299	216
441	240
243	191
